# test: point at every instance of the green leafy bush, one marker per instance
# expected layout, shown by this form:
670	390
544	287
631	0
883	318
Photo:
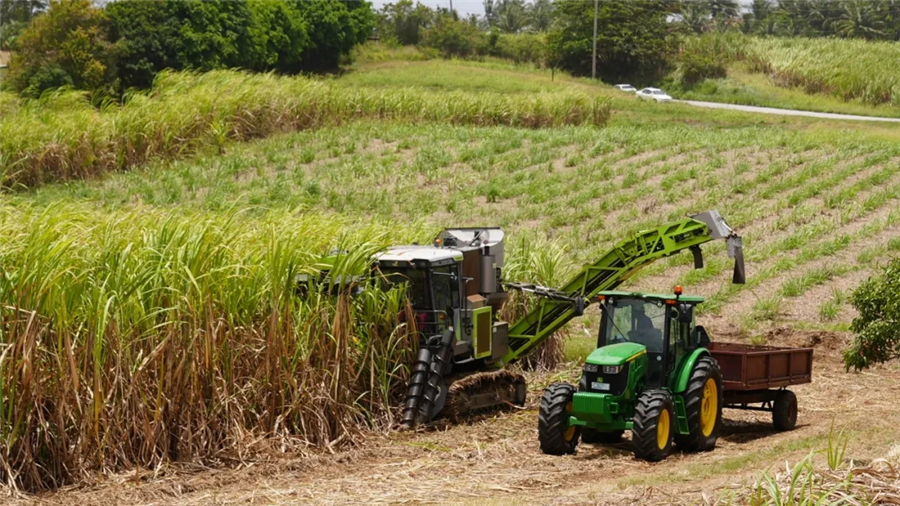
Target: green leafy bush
877	327
632	39
454	38
403	22
9	32
128	43
521	48
70	39
695	68
44	78
335	27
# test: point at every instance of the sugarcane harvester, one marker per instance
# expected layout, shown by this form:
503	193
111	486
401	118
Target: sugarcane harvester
456	290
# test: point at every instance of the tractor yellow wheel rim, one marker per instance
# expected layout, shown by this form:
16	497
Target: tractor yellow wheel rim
662	430
709	407
570	432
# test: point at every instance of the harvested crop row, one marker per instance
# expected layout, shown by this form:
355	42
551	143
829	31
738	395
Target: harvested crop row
63	137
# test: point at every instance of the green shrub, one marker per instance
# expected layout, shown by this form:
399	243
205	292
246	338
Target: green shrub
71	40
44	78
454	38
335	27
877	327
521	48
9	32
695	68
632	40
404	23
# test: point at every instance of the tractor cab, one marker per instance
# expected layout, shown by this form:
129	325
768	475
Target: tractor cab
662	325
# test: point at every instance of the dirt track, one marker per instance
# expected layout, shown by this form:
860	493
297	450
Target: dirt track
787	112
496	460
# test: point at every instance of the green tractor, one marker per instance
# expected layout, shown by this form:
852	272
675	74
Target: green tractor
651	374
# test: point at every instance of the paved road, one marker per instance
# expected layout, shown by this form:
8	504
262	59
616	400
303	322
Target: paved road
786	112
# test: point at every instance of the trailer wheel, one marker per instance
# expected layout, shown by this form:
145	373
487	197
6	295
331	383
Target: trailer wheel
594	436
557	437
653	425
703	407
784	410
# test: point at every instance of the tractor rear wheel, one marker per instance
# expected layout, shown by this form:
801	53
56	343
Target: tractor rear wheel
703	406
594	436
557	437
784	410
653	425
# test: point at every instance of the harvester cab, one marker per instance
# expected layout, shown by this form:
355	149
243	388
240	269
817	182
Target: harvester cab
454	287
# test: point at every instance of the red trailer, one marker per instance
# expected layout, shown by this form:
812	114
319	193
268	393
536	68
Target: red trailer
756	378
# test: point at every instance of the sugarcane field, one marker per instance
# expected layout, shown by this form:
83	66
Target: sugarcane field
471	252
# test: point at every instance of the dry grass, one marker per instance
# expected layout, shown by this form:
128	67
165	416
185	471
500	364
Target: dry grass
877	482
495	459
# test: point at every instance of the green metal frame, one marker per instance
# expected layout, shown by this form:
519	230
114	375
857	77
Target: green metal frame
476	336
608	272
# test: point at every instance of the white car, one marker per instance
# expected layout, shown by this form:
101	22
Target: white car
654	94
627	88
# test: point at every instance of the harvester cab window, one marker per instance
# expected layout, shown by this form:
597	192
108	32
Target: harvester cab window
446	289
416	285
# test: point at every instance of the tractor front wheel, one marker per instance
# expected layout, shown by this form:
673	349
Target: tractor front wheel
703	406
594	436
784	410
557	437
653	425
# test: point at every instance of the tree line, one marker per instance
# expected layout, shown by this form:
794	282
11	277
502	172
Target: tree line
864	19
126	43
637	39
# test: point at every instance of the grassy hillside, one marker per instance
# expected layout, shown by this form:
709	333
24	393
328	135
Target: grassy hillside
829	75
153	316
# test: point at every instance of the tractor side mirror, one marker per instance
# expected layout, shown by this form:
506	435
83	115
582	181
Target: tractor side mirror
685	313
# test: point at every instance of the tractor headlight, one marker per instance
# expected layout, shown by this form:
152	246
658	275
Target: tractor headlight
590	367
611	369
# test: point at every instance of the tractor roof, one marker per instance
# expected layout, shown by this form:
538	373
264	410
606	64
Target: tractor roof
658	296
409	254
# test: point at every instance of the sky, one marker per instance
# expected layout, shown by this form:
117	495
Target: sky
463	7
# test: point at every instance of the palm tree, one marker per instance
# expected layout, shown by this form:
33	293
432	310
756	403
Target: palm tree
541	15
490	15
512	15
695	16
859	19
723	8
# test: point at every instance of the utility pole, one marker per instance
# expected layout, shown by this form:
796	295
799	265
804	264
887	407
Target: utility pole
594	56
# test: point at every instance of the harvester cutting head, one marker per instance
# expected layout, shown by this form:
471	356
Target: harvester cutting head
719	229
